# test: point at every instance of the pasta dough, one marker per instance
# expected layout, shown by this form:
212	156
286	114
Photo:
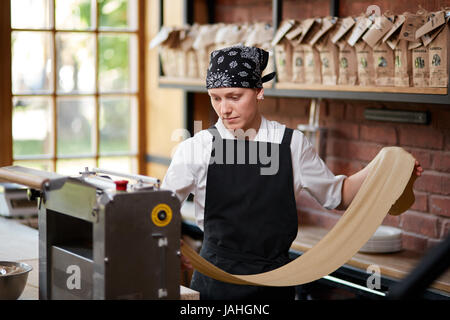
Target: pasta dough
386	189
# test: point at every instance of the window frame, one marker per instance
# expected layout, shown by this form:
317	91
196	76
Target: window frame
6	94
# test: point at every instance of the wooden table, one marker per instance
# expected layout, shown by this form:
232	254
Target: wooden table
20	243
394	265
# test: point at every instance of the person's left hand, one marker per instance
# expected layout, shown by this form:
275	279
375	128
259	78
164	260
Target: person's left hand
418	169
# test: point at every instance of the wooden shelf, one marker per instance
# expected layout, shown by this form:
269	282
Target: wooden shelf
344	92
356	88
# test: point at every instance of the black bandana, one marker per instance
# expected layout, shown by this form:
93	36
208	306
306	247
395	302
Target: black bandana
238	66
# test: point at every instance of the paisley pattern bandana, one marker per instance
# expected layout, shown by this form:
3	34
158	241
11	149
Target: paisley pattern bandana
238	66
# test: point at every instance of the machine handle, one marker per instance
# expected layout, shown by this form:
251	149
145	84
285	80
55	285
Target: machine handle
36	179
136	177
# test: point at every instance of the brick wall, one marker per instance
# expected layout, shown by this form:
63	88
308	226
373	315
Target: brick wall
353	141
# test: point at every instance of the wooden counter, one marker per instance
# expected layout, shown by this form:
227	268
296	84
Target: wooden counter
395	265
20	243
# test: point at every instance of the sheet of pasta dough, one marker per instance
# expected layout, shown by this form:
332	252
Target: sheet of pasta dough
386	189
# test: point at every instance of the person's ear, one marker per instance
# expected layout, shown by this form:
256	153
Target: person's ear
260	94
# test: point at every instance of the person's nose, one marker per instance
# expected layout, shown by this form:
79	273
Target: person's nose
225	107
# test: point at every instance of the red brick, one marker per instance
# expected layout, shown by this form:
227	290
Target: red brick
441	117
268	106
293	107
343	130
414	242
352	149
446	134
440	205
422	155
442	161
420	223
262	13
293	9
415	136
317	218
433	182
393	221
445	228
421	202
381	134
306	201
346	167
336	110
354	112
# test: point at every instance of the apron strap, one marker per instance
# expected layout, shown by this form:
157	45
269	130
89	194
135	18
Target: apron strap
287	137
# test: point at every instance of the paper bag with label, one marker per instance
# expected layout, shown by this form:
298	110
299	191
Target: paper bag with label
260	35
348	66
328	52
412	23
364	58
438	57
313	74
283	51
420	64
383	59
422	57
402	56
170	53
298	54
348	69
204	44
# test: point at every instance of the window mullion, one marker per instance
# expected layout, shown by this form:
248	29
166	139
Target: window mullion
96	137
54	94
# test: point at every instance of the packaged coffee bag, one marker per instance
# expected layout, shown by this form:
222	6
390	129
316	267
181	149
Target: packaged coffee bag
298	53
383	59
313	73
438	56
328	52
420	64
402	56
348	65
283	51
364	54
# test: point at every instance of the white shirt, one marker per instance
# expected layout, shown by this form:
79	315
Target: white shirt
188	170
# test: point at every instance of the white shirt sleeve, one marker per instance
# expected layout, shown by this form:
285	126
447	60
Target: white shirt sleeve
179	177
313	175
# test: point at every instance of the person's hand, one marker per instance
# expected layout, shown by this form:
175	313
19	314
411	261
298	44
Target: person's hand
185	262
418	169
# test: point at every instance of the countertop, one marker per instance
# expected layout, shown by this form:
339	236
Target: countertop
20	243
395	265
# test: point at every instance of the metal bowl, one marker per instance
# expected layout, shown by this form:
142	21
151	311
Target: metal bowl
12	284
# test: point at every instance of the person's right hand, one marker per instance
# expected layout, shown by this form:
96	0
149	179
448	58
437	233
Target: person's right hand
185	262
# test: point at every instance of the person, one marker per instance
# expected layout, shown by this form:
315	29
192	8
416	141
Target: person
246	173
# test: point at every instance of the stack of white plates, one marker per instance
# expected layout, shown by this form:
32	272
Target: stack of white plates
385	239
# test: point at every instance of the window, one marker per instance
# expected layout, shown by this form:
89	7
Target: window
75	84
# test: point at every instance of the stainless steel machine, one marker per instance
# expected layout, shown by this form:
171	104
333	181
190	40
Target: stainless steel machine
104	239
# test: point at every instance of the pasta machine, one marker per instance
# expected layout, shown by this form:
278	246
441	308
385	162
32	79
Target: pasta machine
101	238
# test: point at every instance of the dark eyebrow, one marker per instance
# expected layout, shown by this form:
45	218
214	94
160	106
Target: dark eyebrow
234	94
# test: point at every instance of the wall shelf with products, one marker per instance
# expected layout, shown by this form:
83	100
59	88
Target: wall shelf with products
294	90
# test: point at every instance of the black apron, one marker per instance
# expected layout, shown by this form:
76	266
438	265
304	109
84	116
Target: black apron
250	218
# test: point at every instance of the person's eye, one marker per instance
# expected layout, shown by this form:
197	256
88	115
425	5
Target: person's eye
235	98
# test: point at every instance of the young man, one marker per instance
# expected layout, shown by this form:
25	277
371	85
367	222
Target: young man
246	174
